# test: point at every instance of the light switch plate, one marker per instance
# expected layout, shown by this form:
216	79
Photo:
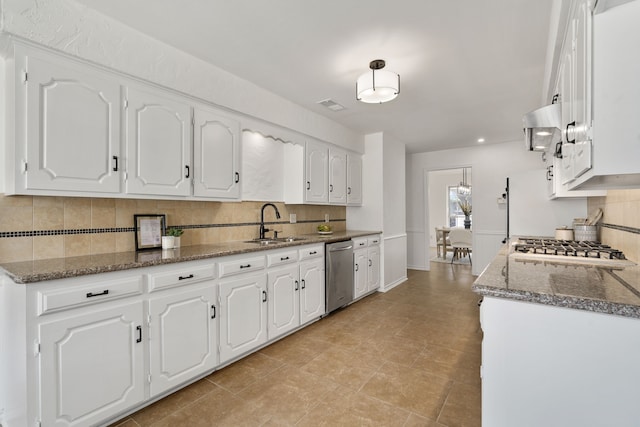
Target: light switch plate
292	218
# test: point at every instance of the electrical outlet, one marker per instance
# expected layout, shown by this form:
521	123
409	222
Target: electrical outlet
326	217
292	218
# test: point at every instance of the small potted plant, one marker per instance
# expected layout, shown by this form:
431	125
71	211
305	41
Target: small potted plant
172	236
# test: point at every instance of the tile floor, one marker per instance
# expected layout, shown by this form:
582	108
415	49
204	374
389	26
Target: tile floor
408	357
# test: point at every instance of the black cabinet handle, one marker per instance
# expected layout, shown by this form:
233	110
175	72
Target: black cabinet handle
348	190
549	173
213	307
308	185
245	266
297	287
284	258
91	294
356	267
331	188
115	165
139	329
264	296
370	263
304	284
237	177
313	252
573	125
191	276
188	171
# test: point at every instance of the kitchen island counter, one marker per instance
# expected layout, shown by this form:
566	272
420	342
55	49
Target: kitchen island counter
61	268
595	287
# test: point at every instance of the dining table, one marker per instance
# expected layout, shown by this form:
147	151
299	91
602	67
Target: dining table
445	233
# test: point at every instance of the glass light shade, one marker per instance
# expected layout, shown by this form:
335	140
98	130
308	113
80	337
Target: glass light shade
377	86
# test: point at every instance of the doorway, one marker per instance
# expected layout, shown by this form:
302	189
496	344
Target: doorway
449	200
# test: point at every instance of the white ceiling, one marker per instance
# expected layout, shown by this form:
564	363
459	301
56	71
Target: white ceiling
469	68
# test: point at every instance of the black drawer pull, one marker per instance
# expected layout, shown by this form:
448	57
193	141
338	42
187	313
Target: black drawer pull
139	329
296	287
245	266
188	171
213	315
284	258
237	177
304	284
264	296
91	294
115	166
191	276
313	252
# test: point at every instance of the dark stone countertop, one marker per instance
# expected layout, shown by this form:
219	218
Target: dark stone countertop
594	286
61	268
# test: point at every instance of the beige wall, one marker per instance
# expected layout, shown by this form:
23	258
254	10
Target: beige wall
58	218
620	224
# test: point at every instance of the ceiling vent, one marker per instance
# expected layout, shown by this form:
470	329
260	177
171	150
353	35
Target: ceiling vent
331	105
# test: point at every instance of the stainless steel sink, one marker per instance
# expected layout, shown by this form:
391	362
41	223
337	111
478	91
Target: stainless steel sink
266	242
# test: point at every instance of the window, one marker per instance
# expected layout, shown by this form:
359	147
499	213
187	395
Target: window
454	211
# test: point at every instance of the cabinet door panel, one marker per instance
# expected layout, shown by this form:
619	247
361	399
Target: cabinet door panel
284	306
337	177
361	262
73	128
582	96
316	173
91	366
183	337
354	180
216	155
243	315
312	290
158	144
374	268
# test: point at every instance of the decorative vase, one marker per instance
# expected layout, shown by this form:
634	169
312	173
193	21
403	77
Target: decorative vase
467	222
168	242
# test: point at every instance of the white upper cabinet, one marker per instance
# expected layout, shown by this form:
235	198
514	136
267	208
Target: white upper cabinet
616	100
216	155
158	143
354	180
67	126
337	176
316	172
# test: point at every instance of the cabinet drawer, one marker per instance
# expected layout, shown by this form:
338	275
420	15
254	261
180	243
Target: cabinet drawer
312	252
373	240
360	242
245	265
77	296
282	258
179	277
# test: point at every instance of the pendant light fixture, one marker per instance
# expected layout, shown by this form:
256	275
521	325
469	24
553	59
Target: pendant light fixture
378	85
464	188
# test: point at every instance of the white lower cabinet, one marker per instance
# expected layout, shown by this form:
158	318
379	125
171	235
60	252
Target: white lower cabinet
182	335
243	315
91	365
284	301
312	290
366	265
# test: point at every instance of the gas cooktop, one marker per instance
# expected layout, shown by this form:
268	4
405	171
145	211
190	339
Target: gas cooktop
582	252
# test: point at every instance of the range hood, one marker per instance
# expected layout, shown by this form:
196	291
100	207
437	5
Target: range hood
542	127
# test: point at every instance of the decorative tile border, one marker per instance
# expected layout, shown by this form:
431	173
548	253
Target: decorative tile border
621	228
35	233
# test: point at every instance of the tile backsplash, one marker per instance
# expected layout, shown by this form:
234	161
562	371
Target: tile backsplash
620	223
39	227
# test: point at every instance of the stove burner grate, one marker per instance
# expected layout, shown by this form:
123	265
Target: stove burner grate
567	248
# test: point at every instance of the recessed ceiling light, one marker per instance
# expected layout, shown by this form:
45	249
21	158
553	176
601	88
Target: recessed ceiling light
480	139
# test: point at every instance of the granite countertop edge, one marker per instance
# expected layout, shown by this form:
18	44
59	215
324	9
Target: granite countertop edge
563	301
26	272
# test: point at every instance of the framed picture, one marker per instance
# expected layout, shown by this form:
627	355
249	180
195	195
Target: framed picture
149	231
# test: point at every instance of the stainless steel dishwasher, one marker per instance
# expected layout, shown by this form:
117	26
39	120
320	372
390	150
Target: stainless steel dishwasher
339	275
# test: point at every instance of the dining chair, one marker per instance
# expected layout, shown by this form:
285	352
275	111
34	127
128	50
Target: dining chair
461	242
442	243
